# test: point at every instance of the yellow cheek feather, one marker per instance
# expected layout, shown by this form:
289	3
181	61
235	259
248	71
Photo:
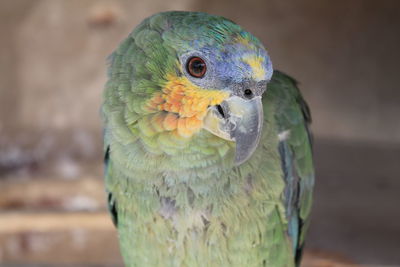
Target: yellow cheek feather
256	65
182	106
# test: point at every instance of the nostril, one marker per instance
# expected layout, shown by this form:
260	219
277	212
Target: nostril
248	93
221	111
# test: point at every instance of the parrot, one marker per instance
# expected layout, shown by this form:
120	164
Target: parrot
207	148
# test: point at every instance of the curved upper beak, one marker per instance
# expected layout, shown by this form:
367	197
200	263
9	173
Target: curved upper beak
239	120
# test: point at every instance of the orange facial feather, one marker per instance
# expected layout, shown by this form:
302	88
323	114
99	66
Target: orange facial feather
185	103
170	121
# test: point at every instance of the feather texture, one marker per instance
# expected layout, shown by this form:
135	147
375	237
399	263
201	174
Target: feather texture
179	200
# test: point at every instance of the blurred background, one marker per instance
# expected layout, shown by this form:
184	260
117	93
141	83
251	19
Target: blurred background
345	54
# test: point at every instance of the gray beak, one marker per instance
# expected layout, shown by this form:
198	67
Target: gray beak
239	120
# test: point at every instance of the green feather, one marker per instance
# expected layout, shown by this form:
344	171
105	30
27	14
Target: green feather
186	204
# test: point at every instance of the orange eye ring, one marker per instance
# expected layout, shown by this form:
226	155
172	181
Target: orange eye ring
196	67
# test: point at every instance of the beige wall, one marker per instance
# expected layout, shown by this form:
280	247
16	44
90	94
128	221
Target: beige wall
344	53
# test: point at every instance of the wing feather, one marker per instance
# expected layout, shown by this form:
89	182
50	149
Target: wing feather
293	118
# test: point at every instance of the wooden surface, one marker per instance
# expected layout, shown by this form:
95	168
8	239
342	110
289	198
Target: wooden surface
43	222
88	238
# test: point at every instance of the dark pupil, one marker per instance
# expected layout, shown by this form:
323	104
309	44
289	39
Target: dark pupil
197	67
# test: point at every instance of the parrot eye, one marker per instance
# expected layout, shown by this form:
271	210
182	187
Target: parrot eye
196	67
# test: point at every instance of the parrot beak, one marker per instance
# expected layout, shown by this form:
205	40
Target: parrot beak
239	120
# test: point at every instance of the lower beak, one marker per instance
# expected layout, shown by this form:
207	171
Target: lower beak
239	120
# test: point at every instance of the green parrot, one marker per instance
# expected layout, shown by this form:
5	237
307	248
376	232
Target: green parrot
208	157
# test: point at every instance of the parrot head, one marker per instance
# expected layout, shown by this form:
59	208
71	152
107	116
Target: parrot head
191	72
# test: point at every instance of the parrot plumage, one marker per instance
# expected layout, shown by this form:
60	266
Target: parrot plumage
202	167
